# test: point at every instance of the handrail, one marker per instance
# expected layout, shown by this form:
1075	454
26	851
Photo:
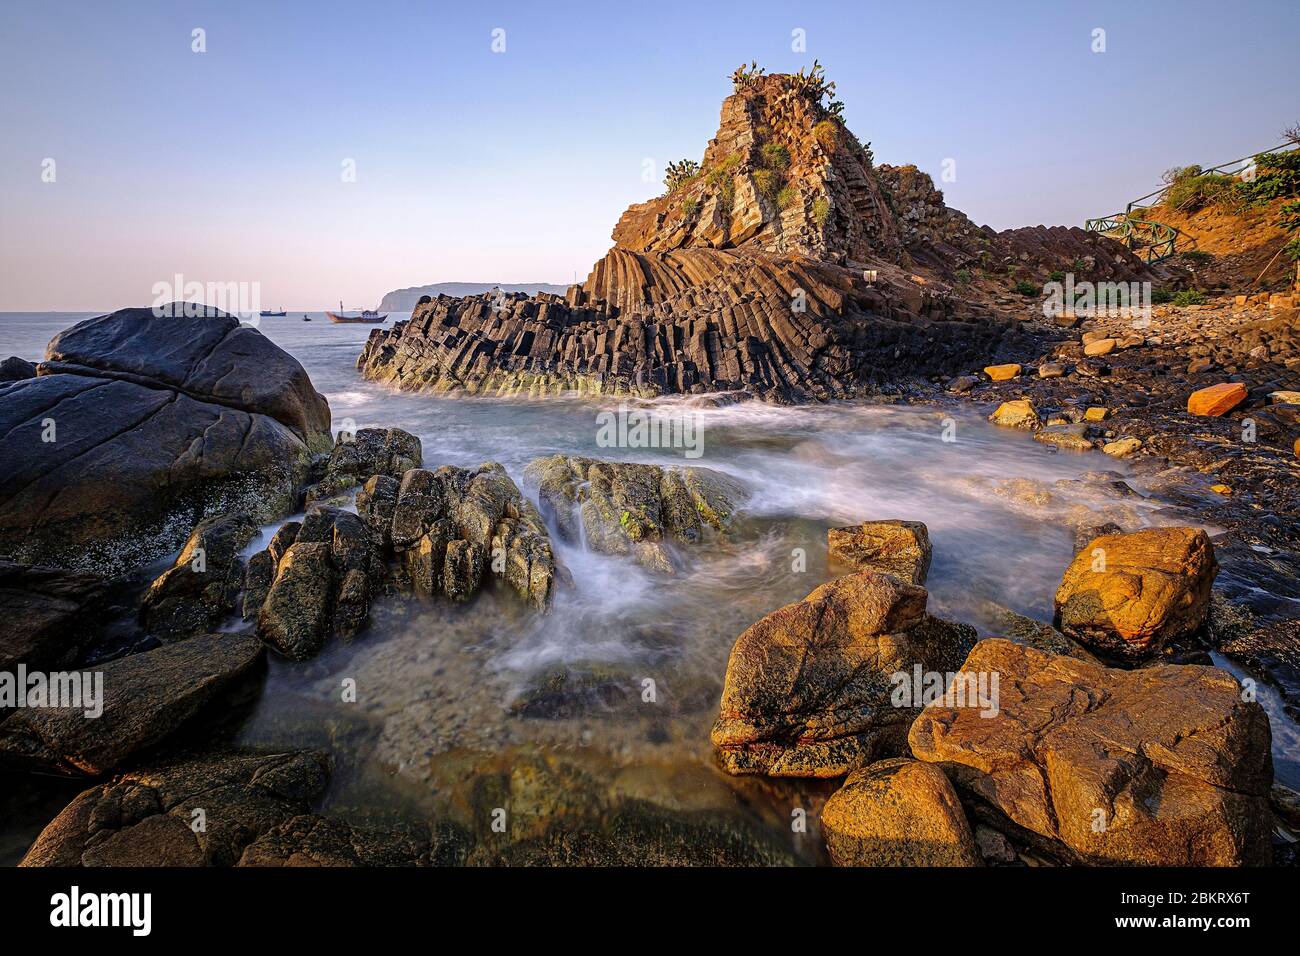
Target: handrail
1153	241
1280	148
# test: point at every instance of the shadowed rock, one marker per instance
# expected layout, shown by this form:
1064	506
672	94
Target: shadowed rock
371	451
138	426
146	697
200	588
48	616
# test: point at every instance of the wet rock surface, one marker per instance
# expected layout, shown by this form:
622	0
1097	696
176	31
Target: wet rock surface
137	427
1161	766
900	548
637	510
201	587
808	689
371	451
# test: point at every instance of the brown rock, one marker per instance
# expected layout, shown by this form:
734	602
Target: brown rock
1161	766
808	691
1129	594
898	812
1216	400
900	548
1099	347
295	616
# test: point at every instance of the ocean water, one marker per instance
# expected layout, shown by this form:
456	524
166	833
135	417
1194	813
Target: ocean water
449	697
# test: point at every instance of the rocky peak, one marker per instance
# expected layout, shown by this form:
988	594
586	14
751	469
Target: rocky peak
783	174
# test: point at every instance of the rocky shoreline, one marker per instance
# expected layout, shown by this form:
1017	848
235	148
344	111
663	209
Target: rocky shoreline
786	268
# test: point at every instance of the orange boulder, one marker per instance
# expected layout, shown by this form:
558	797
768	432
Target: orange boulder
1216	400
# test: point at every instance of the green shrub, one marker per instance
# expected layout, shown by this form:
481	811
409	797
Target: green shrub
1197	255
1277	176
775	156
1161	296
963	276
786	197
1190	189
1056	276
768	183
689	207
1188	297
821	211
1027	288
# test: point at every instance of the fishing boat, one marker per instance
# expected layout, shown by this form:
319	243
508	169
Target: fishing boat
267	313
366	315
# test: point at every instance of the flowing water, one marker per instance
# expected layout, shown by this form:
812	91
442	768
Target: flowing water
611	696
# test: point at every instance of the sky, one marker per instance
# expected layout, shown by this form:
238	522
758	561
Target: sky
231	165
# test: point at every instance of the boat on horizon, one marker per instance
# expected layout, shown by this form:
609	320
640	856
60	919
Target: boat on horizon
267	313
369	316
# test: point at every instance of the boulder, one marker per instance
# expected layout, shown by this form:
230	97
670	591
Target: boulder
631	509
1216	400
201	586
14	369
48	616
1128	595
138	426
390	452
1161	766
295	617
453	528
813	689
146	697
148	817
898	812
1100	347
1122	447
900	548
1018	413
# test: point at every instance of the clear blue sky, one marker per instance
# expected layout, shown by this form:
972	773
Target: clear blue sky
513	167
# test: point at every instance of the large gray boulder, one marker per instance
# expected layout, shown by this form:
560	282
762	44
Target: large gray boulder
137	426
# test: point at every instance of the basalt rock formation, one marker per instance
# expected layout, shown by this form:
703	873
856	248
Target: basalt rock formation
786	264
137	426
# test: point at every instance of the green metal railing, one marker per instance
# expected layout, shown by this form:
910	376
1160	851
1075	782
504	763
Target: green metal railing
1152	241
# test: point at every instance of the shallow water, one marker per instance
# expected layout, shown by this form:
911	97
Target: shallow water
443	693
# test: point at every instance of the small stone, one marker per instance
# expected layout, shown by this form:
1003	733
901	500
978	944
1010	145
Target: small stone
1122	447
1096	414
1284	398
1071	437
963	384
1224	490
1018	413
1002	373
1100	347
993	846
1051	370
1216	400
1198	365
